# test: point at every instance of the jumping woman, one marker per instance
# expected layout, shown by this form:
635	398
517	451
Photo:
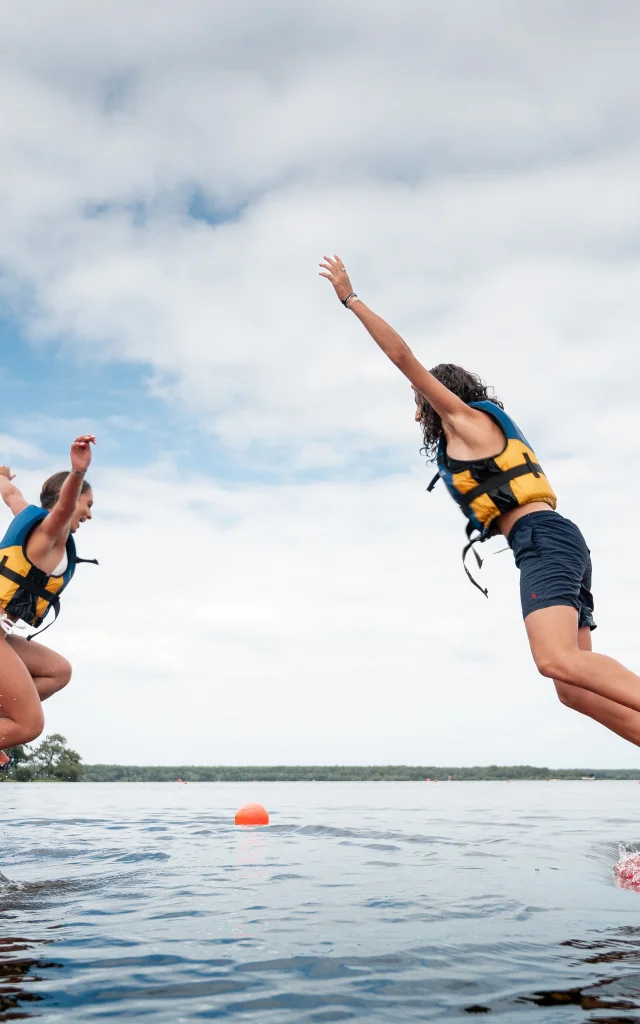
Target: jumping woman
494	476
37	561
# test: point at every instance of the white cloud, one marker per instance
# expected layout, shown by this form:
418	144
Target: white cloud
14	447
478	168
303	624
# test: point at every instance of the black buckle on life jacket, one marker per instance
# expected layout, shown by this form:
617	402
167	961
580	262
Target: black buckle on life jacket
470	547
26	584
34	588
498	479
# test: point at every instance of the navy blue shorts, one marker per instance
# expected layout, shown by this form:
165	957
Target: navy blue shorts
554	563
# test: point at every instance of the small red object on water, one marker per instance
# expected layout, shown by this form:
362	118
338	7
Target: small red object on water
626	872
252	814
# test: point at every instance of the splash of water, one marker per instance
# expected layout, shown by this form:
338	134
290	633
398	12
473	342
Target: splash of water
626	871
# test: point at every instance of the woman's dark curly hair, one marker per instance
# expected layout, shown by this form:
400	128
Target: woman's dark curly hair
467	386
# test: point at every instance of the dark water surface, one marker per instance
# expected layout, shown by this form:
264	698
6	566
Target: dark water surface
361	901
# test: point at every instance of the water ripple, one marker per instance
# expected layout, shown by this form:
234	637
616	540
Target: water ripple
482	899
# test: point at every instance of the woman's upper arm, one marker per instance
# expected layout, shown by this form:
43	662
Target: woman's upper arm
16	502
57	522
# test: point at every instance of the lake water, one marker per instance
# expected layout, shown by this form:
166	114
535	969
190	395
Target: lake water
359	902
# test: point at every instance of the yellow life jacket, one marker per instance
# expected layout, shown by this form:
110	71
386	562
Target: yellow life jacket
27	592
485	488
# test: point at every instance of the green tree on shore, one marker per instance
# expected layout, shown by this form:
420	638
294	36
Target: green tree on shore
51	759
19	768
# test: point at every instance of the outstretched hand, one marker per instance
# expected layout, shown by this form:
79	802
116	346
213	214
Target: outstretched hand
81	452
335	271
5	471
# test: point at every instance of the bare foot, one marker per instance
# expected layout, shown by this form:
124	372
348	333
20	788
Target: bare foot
4	758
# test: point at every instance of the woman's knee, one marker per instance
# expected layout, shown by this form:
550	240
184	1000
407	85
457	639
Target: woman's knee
62	672
32	726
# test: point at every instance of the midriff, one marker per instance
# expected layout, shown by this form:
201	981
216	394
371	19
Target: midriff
507	519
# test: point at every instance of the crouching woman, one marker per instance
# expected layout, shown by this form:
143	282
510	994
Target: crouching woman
37	561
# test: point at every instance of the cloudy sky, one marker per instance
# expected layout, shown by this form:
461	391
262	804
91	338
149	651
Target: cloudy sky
275	586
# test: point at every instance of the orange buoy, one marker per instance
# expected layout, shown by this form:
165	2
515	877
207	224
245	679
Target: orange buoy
252	814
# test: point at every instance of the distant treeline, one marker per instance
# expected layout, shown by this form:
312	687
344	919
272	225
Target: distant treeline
340	773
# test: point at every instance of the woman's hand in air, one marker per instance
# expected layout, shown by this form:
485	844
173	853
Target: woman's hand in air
5	471
81	453
334	271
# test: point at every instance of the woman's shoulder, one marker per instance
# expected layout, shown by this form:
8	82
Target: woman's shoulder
22	523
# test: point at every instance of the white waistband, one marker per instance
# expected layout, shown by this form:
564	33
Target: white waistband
11	626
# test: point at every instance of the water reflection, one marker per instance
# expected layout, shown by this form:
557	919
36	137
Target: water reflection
612	992
619	993
18	972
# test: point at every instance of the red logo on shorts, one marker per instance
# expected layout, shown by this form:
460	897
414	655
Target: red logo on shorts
533	595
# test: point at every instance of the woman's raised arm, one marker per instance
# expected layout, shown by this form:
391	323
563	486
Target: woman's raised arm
59	519
447	405
11	496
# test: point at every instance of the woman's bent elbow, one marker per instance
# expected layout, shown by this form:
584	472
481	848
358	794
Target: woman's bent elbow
556	666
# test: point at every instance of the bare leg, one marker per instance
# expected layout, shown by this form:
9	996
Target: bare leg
21	718
553	638
614	716
50	671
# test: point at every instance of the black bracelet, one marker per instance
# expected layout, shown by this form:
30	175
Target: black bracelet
345	301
